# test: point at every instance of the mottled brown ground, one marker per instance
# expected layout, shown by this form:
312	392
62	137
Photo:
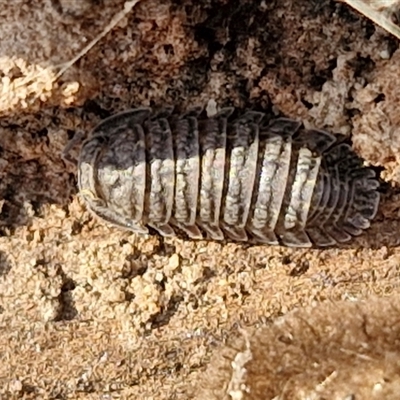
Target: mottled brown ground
89	312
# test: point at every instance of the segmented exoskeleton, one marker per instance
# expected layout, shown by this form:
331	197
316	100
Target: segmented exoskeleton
237	177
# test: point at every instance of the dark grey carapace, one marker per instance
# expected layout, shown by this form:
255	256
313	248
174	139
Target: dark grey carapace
243	178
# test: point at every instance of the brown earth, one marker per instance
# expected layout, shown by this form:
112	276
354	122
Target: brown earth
89	312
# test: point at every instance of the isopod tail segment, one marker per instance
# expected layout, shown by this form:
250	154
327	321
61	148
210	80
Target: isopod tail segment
346	197
243	178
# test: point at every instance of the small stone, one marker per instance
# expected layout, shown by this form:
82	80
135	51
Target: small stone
159	277
16	386
173	262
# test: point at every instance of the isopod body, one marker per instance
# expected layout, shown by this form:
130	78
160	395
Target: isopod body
240	177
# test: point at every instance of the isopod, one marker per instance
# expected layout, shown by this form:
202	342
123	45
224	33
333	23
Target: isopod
240	177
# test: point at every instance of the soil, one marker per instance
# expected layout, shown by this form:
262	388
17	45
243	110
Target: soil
88	311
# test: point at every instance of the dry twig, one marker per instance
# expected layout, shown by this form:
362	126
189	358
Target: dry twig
117	18
378	11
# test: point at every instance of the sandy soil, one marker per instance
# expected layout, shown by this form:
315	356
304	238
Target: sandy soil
89	312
